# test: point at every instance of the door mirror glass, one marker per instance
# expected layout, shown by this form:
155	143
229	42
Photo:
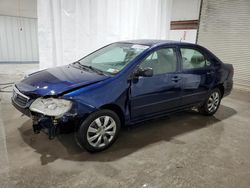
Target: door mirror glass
146	72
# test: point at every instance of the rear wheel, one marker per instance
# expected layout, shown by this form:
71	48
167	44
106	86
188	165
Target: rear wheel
98	131
212	103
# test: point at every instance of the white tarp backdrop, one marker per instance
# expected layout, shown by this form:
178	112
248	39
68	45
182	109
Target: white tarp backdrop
70	29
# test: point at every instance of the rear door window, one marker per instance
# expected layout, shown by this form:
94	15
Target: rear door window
192	59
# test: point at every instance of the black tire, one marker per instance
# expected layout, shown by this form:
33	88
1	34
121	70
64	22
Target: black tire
206	108
84	137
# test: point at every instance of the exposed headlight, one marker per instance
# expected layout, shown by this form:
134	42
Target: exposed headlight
51	106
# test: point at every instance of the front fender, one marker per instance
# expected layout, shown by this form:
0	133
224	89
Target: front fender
80	108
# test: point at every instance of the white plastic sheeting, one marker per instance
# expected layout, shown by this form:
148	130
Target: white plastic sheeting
69	30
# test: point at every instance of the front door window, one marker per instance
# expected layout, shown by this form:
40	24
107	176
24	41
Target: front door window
161	61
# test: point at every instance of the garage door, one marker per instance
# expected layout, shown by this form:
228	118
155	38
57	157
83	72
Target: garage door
225	30
18	39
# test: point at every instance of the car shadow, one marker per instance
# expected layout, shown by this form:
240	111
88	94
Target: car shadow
130	140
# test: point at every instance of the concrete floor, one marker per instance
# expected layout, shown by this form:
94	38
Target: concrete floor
183	150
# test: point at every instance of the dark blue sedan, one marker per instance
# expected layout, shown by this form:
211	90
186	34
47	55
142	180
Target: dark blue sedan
120	84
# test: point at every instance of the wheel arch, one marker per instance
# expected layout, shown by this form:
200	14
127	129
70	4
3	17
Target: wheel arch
221	88
117	109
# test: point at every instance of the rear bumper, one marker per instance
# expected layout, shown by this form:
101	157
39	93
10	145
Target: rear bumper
228	87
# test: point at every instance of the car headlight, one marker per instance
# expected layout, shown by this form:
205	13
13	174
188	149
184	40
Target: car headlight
51	106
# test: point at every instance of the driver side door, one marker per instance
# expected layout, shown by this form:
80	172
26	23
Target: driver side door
160	93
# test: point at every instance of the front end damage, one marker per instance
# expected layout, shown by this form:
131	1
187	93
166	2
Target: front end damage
53	126
49	115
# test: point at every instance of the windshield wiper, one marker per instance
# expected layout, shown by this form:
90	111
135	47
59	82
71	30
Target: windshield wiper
95	70
80	65
86	67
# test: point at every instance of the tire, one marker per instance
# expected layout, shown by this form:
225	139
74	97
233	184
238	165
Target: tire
98	131
212	103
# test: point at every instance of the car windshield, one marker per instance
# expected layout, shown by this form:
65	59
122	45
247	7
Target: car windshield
112	58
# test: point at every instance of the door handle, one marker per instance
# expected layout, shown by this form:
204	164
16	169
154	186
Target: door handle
176	78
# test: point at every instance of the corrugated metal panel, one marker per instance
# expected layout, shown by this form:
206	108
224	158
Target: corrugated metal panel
225	30
18	44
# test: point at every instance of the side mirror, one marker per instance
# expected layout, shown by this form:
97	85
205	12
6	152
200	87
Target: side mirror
146	72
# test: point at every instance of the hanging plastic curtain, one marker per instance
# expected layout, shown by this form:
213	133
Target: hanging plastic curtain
69	30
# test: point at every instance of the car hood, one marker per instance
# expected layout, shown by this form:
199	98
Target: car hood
55	81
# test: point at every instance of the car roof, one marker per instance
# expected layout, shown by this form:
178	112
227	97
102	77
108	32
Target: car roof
153	42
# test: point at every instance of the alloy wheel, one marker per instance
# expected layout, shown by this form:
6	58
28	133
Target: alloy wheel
101	131
213	102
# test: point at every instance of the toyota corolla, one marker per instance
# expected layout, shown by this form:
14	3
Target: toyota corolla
122	84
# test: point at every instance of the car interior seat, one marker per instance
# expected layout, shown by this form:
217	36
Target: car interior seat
197	61
166	62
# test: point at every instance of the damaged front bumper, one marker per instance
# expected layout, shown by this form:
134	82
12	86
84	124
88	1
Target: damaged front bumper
52	125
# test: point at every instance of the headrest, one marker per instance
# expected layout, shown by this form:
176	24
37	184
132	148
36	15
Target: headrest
196	59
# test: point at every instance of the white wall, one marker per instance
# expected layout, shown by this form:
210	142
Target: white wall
185	10
184	35
23	8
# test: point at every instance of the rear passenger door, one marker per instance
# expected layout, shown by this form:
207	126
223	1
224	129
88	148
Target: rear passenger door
197	75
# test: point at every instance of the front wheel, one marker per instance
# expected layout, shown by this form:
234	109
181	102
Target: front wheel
98	131
212	103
